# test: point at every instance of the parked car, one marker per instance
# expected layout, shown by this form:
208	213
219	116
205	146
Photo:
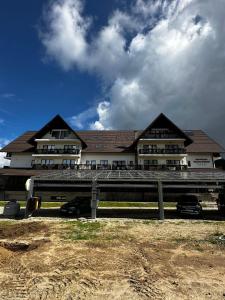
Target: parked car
78	206
221	202
189	205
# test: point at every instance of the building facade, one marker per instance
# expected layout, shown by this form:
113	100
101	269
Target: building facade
161	146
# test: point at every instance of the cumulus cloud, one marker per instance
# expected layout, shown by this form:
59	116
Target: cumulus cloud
79	120
3	161
157	56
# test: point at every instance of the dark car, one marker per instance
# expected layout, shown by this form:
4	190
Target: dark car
221	202
78	206
189	205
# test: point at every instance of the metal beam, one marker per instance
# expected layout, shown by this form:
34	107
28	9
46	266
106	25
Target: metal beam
191	186
160	201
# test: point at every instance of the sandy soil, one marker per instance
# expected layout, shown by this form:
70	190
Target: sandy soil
113	260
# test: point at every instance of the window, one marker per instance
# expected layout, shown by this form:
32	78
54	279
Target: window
151	162
90	162
69	162
64	134
56	134
104	162
60	134
47	161
170	146
189	163
119	163
70	147
173	162
49	147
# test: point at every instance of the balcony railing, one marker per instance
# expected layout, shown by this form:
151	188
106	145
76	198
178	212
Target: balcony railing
162	151
57	151
161	136
154	167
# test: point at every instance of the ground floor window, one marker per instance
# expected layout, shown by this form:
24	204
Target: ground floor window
150	162
47	161
119	163
69	162
91	162
104	162
173	162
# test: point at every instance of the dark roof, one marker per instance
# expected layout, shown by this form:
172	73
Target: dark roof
202	143
117	141
20	144
21	172
108	140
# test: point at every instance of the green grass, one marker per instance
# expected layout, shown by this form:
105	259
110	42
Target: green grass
43	205
134	204
83	230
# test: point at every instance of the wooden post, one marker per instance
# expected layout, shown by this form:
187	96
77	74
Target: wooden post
94	200
160	201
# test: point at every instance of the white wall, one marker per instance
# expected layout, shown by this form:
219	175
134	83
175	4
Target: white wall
162	160
21	160
202	161
128	157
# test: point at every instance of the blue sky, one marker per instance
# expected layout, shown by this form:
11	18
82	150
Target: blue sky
33	90
112	64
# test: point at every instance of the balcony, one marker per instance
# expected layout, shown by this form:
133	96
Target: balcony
163	151
161	136
154	167
58	151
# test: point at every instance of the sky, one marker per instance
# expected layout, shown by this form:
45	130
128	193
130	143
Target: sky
112	64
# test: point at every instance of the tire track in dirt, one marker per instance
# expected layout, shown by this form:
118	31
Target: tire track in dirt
143	280
14	285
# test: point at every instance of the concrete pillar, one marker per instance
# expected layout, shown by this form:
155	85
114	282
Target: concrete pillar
30	190
94	199
160	201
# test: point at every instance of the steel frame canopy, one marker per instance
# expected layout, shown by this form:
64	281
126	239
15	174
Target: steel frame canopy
97	179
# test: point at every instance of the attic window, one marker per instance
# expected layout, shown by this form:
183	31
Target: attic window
60	134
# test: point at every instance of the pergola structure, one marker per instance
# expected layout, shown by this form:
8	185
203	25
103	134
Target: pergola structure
95	180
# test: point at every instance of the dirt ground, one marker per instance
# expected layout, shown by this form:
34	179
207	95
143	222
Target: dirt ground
112	259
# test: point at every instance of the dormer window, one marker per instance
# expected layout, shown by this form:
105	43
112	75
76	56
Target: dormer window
60	134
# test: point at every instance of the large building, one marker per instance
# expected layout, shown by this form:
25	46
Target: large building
161	146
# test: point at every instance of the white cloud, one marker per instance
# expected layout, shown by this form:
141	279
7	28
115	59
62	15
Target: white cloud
65	39
103	111
158	56
3	161
80	120
7	95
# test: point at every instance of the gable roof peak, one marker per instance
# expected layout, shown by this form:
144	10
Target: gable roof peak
56	121
163	118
